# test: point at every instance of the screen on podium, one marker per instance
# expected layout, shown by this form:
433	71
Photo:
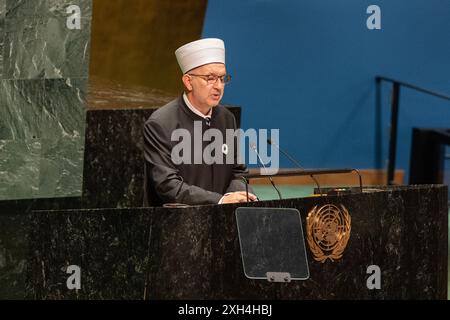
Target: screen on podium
272	244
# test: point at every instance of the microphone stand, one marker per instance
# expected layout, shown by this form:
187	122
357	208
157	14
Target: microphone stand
253	146
246	186
360	179
269	141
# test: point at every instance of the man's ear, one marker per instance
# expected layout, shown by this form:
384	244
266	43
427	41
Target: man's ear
187	82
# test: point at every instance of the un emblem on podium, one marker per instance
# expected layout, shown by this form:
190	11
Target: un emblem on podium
328	230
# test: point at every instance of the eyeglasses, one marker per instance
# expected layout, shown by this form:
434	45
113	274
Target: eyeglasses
212	78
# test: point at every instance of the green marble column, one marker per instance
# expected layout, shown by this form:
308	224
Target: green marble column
44	67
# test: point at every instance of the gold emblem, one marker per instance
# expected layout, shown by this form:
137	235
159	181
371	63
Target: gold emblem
328	231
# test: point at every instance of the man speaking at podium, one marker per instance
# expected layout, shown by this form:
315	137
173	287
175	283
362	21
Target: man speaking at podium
192	182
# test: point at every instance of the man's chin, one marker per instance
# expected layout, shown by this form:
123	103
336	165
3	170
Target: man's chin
214	102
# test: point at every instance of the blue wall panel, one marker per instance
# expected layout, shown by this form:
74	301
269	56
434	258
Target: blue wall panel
308	67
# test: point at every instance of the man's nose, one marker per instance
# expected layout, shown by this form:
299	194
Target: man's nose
219	84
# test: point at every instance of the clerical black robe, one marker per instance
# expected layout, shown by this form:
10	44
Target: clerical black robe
187	183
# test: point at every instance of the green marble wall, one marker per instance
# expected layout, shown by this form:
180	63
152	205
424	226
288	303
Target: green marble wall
44	69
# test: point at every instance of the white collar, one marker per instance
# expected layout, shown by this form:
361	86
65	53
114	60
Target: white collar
194	110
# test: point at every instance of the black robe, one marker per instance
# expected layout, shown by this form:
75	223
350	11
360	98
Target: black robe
193	184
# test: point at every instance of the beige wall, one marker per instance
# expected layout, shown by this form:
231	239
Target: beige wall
133	41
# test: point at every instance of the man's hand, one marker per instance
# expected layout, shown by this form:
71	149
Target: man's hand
239	196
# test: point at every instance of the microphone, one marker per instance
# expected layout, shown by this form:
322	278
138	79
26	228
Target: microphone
253	146
269	141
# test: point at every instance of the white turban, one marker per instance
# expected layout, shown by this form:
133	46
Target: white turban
200	52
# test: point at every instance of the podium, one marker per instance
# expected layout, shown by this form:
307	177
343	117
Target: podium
194	253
